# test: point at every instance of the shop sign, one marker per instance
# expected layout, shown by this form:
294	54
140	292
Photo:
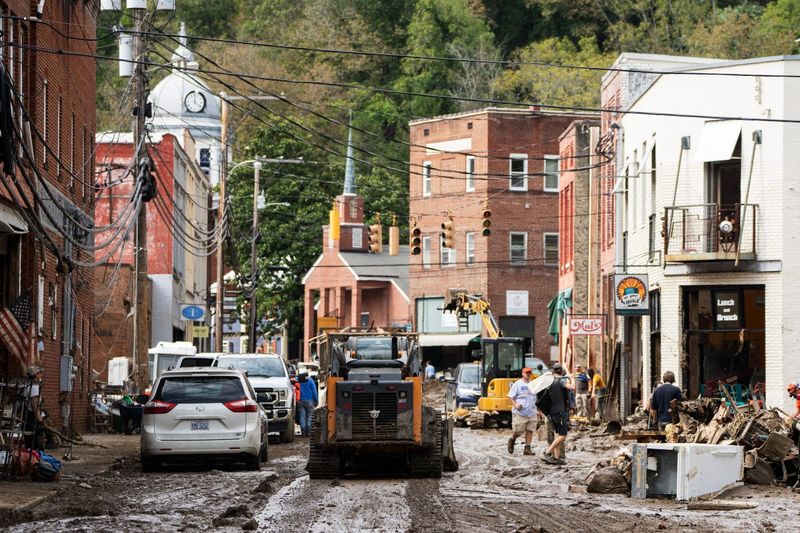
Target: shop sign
517	303
630	294
586	326
727	310
199	332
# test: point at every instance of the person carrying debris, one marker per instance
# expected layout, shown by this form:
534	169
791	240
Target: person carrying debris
559	414
794	391
523	412
662	396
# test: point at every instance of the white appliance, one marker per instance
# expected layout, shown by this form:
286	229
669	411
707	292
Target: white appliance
685	471
119	368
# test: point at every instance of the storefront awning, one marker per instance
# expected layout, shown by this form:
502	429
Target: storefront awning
11	221
719	140
446	339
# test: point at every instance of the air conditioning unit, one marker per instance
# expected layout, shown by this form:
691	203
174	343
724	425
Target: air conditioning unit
227	346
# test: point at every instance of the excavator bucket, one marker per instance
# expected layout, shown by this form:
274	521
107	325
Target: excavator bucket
449	461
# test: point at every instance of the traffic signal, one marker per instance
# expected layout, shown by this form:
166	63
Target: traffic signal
416	241
376	239
448	234
487	223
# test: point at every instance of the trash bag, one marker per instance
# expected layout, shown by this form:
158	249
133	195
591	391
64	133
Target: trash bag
608	480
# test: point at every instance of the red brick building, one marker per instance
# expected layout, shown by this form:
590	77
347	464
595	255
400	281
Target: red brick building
348	285
176	262
506	161
54	115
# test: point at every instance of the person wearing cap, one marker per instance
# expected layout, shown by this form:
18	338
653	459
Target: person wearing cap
794	391
559	414
33	419
523	412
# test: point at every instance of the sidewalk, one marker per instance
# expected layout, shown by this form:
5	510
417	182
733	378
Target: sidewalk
87	461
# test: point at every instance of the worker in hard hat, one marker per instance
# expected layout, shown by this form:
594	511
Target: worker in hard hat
794	391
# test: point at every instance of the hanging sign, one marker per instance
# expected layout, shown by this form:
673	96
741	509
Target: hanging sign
630	294
586	326
193	312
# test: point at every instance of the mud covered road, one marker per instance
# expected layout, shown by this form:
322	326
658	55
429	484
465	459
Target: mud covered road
492	491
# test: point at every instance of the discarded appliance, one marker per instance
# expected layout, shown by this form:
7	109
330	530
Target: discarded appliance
685	471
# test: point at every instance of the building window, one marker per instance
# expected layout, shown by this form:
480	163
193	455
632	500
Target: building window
72	154
470	248
651	249
551	173
205	160
426	178
59	138
447	257
470	171
624	251
45	135
426	252
518	172
518	247
551	249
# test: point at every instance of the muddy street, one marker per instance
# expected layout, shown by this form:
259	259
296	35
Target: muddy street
492	491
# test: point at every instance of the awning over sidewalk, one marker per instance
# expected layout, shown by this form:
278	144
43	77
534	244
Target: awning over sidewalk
556	310
11	221
719	140
446	339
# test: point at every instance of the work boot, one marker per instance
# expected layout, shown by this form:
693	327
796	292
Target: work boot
511	445
549	459
527	450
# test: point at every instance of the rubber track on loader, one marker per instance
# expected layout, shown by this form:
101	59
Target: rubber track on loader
322	464
427	462
477	420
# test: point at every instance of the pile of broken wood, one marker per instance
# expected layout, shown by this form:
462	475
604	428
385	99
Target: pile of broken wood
769	437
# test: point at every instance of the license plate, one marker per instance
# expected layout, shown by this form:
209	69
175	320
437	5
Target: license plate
200	425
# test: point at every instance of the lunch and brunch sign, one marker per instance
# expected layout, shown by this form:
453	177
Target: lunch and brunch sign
630	294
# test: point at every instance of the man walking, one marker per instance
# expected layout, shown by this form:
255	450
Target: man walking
523	412
559	414
581	392
308	401
662	397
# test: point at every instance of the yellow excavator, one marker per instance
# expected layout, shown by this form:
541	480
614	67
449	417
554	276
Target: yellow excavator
502	359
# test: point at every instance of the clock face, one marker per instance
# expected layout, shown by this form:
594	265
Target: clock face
195	102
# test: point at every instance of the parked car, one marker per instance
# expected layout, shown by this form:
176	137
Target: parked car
308	367
464	388
195	361
269	377
196	413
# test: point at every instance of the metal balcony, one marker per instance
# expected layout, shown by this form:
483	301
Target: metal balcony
710	232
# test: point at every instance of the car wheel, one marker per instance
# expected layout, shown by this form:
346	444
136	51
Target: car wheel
254	463
265	452
150	464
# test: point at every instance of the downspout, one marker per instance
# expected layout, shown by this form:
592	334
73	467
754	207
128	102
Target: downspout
756	142
618	260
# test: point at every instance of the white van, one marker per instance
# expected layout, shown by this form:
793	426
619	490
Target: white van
165	356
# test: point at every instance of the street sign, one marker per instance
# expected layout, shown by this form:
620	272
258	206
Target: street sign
200	332
193	312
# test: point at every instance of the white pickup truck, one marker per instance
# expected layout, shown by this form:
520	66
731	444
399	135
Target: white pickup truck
268	375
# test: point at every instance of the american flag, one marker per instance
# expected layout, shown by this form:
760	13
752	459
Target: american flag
14	322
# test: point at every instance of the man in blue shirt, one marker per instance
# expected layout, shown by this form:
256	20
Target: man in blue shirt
523	412
430	370
309	396
662	397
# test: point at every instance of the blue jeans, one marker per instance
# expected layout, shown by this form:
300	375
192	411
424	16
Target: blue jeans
306	407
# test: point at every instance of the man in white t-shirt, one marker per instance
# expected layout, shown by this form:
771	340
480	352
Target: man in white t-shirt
523	412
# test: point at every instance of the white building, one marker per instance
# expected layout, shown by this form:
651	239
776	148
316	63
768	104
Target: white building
709	212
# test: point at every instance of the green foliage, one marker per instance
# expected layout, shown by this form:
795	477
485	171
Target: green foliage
561	86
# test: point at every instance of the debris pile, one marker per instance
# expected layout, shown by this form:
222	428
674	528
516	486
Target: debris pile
611	476
769	439
433	392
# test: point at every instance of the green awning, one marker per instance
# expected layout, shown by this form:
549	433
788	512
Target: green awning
556	310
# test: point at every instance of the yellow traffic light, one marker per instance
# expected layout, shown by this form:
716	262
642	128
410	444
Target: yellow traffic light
376	239
416	241
333	224
448	234
487	223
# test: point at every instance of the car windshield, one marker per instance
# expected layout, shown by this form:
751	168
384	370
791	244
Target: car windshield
374	348
261	367
469	375
200	389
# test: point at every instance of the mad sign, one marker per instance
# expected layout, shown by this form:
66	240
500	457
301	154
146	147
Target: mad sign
586	326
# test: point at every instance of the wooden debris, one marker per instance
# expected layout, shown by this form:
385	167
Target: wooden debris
719	505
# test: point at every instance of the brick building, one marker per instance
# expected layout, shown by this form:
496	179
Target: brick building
348	285
41	249
176	262
579	246
506	161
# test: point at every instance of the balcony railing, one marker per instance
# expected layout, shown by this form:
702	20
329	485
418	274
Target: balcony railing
710	232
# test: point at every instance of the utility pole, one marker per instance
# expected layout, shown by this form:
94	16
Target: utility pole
140	332
223	172
251	339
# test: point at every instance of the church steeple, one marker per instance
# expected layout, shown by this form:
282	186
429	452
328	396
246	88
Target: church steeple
350	167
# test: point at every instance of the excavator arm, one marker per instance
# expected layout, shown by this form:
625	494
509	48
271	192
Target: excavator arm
464	305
